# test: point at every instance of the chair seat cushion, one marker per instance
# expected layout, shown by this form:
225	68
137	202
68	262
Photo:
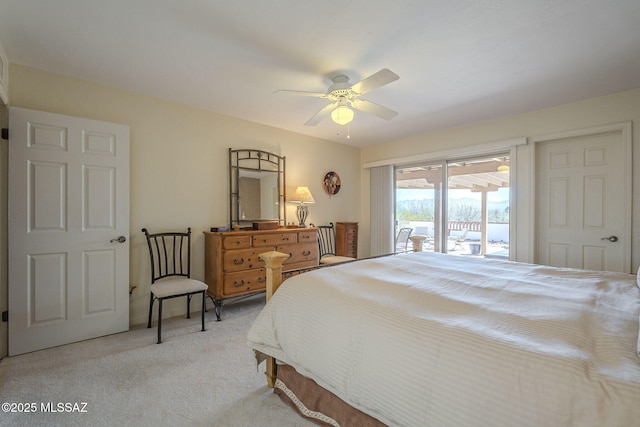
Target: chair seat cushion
171	286
335	259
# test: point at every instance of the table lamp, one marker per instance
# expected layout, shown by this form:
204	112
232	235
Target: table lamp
302	196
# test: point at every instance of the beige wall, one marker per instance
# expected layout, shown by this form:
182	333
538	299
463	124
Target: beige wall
621	107
179	174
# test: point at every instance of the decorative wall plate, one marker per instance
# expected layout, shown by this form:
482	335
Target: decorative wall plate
331	183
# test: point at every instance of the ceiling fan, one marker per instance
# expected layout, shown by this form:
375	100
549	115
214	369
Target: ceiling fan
343	95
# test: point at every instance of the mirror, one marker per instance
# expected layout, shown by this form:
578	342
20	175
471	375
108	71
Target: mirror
256	187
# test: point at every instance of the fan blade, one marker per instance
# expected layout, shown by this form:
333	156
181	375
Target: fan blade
373	108
302	93
374	81
317	118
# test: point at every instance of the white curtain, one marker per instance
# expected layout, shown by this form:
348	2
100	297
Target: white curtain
382	227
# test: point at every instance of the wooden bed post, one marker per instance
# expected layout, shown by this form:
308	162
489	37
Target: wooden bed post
273	260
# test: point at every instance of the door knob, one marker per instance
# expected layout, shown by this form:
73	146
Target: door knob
610	238
120	239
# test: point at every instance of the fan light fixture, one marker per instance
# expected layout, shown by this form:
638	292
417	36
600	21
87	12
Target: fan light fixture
342	115
344	97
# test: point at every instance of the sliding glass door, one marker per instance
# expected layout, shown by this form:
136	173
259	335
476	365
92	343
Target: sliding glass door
419	202
460	206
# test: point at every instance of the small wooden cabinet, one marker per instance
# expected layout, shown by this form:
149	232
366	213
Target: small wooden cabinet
232	266
347	239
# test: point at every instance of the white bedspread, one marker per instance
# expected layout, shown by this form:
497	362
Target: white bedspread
426	339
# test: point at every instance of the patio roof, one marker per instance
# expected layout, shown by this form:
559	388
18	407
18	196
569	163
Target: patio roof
478	175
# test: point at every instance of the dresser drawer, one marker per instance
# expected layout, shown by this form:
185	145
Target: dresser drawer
243	259
307	236
300	252
236	242
297	265
351	234
244	281
274	239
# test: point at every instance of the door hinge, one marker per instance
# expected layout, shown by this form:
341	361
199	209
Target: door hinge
5	316
5	133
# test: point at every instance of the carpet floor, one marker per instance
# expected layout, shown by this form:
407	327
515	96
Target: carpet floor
193	378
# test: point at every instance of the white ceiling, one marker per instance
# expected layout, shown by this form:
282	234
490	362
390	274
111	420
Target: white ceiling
459	61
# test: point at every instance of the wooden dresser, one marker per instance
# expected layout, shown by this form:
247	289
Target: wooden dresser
347	239
232	266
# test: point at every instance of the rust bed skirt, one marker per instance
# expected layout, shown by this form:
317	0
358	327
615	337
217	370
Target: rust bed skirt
316	403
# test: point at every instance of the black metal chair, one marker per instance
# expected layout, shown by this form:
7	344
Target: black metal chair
327	245
402	239
170	255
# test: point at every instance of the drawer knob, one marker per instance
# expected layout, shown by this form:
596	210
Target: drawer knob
306	253
236	262
238	284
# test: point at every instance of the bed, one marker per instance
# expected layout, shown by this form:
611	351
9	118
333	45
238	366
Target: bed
428	339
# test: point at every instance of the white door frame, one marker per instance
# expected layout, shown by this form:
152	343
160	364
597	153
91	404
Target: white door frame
4	301
625	129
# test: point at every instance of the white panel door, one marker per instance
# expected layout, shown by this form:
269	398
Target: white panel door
68	204
582	201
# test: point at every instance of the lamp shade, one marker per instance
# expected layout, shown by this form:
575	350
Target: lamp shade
342	115
302	195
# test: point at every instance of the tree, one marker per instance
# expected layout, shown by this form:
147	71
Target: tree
462	210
